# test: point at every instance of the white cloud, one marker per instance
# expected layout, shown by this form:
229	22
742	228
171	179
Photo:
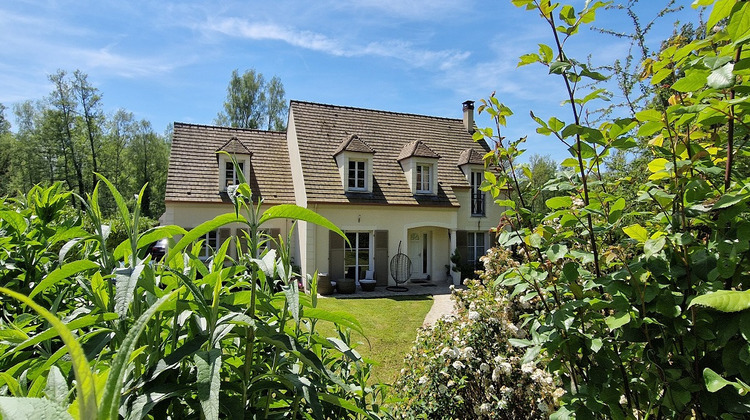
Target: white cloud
401	50
120	65
415	9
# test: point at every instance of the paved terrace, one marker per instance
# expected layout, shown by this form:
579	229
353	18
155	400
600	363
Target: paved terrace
418	288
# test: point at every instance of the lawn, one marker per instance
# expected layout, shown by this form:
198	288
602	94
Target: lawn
390	324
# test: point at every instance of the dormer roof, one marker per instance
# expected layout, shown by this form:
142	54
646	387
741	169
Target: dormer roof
320	128
353	143
417	148
235	147
194	172
471	157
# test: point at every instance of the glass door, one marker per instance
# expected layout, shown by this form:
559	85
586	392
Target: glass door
357	255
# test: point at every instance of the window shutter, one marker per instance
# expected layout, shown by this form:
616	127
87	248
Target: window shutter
335	256
381	257
224	234
462	244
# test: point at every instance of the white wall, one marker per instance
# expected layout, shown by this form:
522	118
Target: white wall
190	215
396	219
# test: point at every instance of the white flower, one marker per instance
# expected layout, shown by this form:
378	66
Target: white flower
458	365
467	352
474	315
527	368
623	400
558	392
484	367
506	367
499	358
484	408
451	383
496	374
422	380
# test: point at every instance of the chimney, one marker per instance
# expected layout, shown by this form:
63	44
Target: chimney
469	116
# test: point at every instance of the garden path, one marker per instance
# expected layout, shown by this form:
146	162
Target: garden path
441	305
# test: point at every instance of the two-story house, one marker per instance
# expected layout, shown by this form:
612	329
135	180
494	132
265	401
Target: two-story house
386	179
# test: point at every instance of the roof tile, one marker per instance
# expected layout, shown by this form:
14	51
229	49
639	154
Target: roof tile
320	127
194	169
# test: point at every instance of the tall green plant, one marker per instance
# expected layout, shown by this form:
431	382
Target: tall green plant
180	337
623	319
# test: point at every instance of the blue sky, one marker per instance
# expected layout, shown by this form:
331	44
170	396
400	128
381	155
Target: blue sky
170	61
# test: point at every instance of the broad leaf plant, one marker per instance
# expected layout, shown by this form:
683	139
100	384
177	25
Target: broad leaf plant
640	314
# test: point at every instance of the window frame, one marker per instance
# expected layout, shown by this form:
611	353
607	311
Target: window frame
420	181
234	177
356	179
472	246
478	197
210	245
358	269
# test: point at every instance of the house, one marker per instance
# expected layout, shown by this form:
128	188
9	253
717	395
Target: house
389	180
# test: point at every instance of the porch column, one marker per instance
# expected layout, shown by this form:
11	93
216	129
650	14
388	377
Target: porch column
455	277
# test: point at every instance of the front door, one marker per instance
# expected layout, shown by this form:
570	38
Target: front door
420	243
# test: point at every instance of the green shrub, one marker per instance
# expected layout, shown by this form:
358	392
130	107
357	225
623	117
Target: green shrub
174	338
639	314
465	366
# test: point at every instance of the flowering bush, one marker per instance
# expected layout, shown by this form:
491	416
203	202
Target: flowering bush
465	367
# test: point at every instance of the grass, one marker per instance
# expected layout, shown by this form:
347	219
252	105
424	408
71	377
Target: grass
390	325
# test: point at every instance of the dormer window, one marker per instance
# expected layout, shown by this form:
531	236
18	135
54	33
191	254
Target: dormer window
471	162
229	172
354	160
419	163
477	195
357	179
424	179
232	172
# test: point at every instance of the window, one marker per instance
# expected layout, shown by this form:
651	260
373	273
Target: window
357	173
477	195
210	244
476	247
424	179
357	255
231	173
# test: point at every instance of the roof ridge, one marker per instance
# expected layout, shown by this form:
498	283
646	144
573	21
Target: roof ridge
354	108
220	127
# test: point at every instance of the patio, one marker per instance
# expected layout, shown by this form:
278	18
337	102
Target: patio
415	288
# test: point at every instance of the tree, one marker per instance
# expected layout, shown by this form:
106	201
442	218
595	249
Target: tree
4	123
93	117
277	107
540	170
62	126
252	102
148	155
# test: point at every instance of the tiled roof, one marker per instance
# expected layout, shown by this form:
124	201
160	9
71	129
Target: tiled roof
470	156
354	144
194	169
320	128
235	146
417	148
